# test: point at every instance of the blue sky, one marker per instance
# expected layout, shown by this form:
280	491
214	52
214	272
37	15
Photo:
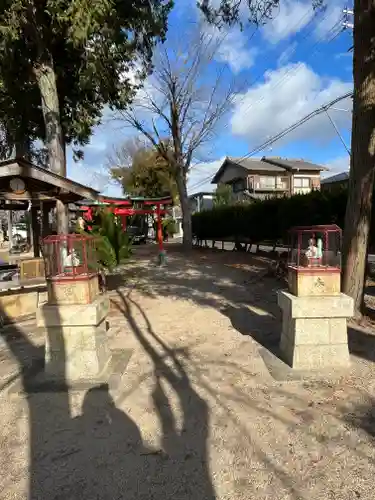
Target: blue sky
285	70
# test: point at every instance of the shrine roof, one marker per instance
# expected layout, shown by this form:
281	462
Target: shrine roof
127	201
39	184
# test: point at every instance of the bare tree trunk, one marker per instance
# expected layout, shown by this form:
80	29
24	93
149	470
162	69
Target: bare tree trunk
46	79
361	182
185	208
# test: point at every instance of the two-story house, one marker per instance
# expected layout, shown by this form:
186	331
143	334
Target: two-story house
259	178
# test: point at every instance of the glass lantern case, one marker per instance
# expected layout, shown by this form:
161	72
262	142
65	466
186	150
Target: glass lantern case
69	256
71	268
314	260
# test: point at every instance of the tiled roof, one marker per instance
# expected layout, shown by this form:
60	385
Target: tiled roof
267	164
342	176
292	164
255	164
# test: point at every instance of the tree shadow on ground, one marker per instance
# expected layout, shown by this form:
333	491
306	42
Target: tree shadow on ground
294	421
193	436
362	417
361	343
82	446
236	286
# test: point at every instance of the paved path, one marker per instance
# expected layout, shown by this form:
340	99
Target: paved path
199	415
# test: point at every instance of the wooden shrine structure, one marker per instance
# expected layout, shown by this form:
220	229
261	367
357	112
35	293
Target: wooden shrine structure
25	186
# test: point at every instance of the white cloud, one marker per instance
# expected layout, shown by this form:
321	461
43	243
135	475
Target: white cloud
337	165
94	177
287	95
288	19
328	25
97	146
232	47
234	52
200	176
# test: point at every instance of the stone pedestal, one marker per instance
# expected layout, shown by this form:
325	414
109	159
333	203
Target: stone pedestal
313	282
76	340
78	291
314	331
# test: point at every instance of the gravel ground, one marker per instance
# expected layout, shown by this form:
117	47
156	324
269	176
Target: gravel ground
198	414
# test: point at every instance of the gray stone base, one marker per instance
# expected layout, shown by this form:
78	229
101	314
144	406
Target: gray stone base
37	380
76	347
314	331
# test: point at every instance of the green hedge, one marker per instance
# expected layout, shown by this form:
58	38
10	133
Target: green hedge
270	220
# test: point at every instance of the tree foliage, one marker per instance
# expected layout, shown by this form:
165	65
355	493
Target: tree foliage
94	47
237	11
141	171
223	195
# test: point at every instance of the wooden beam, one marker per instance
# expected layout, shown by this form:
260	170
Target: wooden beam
13	206
26	196
21	168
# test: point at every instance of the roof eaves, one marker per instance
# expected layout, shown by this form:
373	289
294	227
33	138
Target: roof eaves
220	171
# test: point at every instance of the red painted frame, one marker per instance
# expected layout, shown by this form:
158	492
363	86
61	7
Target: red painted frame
124	208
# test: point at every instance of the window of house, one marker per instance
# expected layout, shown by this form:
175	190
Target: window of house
301	182
238	185
267	182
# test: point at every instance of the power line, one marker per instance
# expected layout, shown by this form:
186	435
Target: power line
297	124
286	131
338	132
292	70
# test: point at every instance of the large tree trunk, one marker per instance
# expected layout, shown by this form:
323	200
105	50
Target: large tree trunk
185	208
361	182
54	140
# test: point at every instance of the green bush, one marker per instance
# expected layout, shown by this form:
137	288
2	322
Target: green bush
113	243
270	219
170	225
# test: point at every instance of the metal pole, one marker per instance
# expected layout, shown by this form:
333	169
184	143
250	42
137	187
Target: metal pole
160	237
10	229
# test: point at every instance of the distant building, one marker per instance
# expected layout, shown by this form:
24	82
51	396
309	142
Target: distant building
201	201
260	178
338	181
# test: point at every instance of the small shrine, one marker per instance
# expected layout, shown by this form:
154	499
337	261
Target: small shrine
315	312
25	187
74	316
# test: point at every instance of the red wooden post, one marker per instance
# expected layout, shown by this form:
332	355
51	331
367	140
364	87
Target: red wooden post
159	231
123	222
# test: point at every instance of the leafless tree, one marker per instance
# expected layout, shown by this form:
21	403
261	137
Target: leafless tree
180	107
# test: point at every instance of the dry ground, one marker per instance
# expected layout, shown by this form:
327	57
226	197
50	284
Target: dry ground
198	415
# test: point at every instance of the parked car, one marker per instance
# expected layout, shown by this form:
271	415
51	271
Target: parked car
19	231
136	234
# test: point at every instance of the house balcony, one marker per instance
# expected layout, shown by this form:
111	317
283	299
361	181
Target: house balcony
270	187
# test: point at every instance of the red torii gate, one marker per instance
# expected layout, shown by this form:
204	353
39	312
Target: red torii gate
124	207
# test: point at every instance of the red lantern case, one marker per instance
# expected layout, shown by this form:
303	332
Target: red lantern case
71	268
314	260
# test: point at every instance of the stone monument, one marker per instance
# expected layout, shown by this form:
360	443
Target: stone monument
74	316
314	328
